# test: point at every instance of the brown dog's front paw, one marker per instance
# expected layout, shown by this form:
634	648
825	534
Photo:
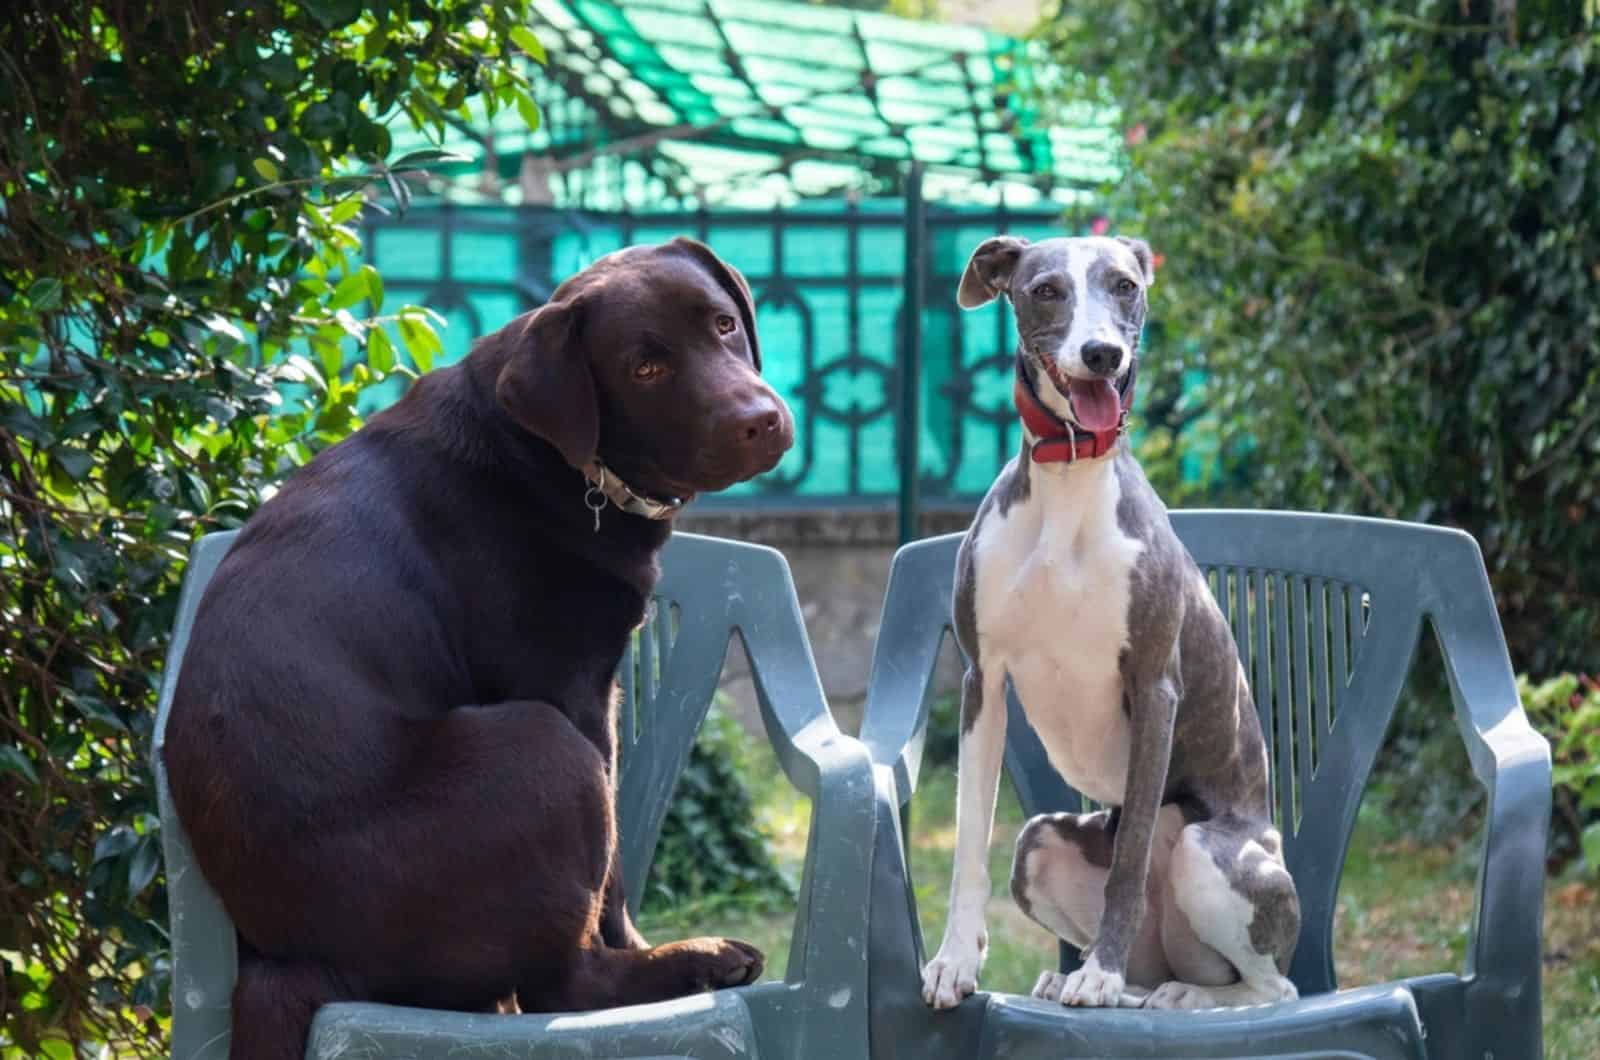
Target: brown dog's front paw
726	962
737	963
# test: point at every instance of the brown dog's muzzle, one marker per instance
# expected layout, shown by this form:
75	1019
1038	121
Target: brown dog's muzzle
762	430
751	435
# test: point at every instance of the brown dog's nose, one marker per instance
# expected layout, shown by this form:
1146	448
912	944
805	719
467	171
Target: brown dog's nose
757	427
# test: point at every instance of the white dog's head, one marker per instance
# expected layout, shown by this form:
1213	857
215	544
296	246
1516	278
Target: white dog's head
1080	306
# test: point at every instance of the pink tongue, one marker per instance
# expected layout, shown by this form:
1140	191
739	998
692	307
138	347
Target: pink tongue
1095	404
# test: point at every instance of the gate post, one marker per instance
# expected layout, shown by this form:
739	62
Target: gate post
910	425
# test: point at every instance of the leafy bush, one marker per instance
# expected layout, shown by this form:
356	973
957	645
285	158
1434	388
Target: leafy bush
178	292
942	744
710	847
1425	779
1566	709
1378	233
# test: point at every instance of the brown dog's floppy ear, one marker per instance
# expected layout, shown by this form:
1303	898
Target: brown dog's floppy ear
546	385
1141	250
989	270
732	281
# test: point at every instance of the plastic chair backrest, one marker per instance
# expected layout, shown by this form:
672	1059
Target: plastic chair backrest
205	958
709	590
1326	611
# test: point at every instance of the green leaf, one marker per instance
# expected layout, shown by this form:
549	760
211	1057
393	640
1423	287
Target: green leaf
143	865
333	14
350	290
94	709
223	326
380	351
376	42
421	159
265	168
321	122
12	760
74	462
45	294
332	358
116	841
524	38
397	188
420	341
350	324
1591	846
528	109
346	208
374	287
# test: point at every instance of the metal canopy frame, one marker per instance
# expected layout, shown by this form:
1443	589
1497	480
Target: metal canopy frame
651	104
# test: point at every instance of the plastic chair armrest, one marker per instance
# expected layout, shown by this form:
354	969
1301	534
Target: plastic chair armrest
1512	761
916	614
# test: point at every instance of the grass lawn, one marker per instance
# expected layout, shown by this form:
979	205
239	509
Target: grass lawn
1403	908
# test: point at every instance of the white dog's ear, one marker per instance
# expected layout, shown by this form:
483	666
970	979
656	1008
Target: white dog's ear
989	270
1141	250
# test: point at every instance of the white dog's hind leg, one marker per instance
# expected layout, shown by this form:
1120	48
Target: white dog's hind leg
953	972
1235	898
1058	879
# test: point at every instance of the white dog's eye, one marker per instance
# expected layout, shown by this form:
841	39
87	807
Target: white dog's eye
1126	286
1046	292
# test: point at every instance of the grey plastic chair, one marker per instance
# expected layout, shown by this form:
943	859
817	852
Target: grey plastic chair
1327	612
709	590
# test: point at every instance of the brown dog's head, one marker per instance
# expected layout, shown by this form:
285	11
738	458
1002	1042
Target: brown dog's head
648	361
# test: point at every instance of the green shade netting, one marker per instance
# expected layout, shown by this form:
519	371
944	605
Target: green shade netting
661	103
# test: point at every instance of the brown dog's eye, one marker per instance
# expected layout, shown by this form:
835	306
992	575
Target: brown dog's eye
725	324
1045	292
1126	287
648	371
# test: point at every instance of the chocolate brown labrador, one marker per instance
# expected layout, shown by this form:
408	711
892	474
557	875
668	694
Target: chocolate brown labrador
393	740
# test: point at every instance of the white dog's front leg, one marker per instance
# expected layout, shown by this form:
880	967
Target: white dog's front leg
953	972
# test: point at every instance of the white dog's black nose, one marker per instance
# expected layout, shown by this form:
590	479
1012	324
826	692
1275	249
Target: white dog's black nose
1102	358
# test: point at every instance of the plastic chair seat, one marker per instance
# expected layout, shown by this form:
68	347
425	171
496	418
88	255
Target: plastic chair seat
1368	1023
706	1027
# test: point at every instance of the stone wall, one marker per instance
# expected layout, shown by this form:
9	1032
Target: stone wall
840	559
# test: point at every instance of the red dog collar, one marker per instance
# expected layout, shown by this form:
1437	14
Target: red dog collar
1055	440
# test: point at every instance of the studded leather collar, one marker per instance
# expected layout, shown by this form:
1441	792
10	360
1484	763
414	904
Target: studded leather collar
605	485
1056	440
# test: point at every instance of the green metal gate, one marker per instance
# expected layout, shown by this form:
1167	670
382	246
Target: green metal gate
828	281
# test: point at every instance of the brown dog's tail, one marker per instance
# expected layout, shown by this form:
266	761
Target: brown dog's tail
273	1005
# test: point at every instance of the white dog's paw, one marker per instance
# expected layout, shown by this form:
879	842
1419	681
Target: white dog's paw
1092	987
1051	983
951	975
1048	987
1235	995
1180	995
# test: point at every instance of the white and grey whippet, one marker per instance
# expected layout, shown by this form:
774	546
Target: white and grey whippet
1072	583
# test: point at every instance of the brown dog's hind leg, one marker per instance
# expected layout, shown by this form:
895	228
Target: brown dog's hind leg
604	977
273	1005
482	854
480	871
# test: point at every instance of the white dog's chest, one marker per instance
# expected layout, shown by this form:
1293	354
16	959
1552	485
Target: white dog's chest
1054	580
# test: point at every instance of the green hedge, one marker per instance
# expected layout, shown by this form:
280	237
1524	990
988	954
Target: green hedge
179	285
710	845
1379	234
